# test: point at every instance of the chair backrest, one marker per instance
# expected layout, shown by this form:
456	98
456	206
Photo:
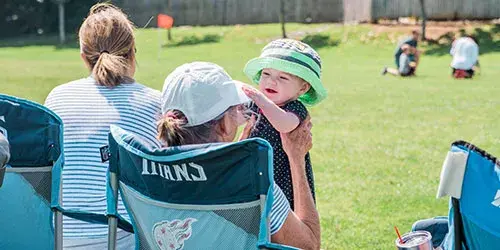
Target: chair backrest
475	215
32	180
210	196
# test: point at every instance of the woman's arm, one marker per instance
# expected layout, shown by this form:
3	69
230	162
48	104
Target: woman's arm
281	120
301	227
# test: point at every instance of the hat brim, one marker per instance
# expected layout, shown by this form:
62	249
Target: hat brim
315	95
233	95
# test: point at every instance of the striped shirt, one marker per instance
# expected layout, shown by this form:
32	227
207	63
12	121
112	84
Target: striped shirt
279	209
87	110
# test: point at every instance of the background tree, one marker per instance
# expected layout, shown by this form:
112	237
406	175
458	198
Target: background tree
424	18
62	31
282	18
169	12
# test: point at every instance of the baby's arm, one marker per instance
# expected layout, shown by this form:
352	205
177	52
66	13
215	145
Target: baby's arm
281	120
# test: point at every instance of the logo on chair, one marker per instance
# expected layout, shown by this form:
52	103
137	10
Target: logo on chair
496	201
170	235
2	129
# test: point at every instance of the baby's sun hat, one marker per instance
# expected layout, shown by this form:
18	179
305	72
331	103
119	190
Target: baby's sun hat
293	57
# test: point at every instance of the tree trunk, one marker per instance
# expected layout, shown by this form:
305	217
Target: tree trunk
62	34
282	18
169	9
424	18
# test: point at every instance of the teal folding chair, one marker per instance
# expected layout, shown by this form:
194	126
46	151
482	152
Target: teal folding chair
471	177
30	192
209	196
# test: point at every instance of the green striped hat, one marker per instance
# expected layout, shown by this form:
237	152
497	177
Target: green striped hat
293	57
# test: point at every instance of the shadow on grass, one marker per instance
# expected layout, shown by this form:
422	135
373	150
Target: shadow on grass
488	40
319	41
49	40
194	40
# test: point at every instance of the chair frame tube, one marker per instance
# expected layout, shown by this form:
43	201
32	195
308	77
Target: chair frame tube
113	220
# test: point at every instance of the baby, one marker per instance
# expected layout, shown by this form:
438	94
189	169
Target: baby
288	74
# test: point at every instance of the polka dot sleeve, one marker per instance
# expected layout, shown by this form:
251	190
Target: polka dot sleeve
297	108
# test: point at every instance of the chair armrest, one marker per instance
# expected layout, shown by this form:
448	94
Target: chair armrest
277	247
2	174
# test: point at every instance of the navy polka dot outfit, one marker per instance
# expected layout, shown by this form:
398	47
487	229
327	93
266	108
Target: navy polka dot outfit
282	175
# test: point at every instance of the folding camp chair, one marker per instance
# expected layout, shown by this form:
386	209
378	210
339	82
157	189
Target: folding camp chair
31	187
209	196
471	177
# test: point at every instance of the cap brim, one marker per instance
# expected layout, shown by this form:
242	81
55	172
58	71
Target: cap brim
315	95
242	98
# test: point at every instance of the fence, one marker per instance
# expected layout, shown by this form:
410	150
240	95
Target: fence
357	10
437	9
40	17
226	12
371	10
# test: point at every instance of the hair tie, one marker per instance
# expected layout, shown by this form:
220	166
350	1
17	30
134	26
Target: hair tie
103	51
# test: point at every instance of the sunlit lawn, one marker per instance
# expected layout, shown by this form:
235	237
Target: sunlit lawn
378	141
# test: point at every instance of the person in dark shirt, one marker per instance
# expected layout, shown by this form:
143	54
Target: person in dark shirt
406	66
412	41
288	73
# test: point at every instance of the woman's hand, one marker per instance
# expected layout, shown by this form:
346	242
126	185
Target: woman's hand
298	142
248	128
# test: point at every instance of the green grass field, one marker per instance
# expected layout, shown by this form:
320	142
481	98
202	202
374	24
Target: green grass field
379	141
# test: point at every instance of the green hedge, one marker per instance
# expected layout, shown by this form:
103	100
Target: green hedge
21	17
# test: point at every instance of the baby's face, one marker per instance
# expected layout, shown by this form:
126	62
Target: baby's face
281	87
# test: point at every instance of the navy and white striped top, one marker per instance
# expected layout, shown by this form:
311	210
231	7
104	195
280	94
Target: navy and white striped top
279	209
87	110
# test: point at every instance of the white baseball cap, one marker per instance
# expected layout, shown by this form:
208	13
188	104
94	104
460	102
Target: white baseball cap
201	91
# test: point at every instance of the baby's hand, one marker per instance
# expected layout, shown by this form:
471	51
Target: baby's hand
256	96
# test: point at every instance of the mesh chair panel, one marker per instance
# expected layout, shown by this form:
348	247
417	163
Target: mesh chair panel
41	183
160	225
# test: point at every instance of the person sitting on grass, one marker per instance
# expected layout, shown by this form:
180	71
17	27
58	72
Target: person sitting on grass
412	41
406	66
465	52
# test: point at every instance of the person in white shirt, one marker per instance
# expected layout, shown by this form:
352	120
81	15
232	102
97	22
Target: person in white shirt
465	52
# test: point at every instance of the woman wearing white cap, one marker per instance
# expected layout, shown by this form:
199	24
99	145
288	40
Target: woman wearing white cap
202	104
